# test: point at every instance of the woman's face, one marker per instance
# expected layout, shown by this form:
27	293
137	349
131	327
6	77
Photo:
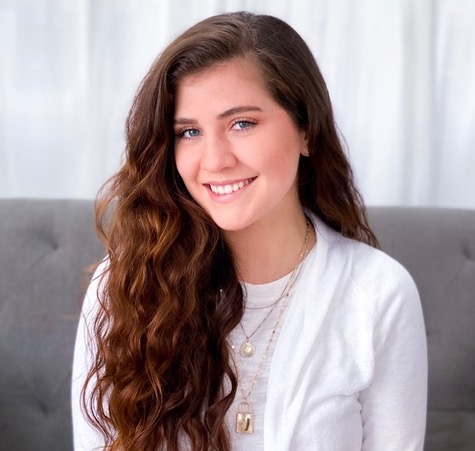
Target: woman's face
236	149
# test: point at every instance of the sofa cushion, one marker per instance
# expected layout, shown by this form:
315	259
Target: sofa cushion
45	247
437	246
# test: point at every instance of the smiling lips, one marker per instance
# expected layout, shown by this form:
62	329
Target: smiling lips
231	187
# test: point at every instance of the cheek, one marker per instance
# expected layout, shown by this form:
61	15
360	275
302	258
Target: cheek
285	164
184	165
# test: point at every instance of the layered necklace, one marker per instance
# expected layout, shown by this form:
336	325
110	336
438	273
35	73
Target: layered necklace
244	415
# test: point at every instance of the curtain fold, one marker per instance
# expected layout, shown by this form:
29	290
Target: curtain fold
400	75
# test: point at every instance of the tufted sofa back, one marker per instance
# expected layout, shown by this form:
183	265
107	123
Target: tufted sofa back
47	245
437	246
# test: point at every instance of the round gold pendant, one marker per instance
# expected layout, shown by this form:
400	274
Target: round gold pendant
247	349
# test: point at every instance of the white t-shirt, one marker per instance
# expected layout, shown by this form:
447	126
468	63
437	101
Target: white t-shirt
258	296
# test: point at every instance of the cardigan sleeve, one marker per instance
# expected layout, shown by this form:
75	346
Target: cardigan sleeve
86	436
395	403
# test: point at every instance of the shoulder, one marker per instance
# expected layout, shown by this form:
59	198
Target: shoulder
95	289
367	272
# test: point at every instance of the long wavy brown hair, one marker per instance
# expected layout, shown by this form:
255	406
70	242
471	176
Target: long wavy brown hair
171	292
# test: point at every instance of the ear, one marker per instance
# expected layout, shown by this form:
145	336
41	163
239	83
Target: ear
305	150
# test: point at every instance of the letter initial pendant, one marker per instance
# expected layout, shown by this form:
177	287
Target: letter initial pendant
244	420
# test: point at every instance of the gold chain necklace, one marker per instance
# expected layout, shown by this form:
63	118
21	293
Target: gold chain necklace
244	415
247	349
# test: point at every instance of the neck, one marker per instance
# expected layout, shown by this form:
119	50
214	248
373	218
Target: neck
270	249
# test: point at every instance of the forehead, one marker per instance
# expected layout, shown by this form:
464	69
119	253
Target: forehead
238	79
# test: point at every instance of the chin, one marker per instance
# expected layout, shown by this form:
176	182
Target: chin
231	224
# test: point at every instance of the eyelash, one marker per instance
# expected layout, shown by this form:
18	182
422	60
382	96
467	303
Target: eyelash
181	133
249	123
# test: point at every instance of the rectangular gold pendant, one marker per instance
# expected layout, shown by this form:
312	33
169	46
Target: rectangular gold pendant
244	423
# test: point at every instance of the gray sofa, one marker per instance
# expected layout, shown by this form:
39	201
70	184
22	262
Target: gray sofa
47	245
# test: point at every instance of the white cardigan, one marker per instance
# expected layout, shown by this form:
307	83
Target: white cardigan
349	369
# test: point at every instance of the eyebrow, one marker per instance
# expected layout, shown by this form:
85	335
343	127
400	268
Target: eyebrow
227	113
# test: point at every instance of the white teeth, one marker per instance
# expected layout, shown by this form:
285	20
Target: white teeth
228	189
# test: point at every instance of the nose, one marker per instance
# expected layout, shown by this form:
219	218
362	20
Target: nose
217	154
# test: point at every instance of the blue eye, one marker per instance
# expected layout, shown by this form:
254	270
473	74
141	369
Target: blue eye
243	124
189	133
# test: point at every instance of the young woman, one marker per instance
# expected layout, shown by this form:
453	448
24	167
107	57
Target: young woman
243	303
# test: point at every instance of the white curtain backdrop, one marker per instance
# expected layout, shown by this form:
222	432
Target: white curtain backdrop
401	74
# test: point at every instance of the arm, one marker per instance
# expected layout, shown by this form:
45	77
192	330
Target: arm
394	405
86	437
